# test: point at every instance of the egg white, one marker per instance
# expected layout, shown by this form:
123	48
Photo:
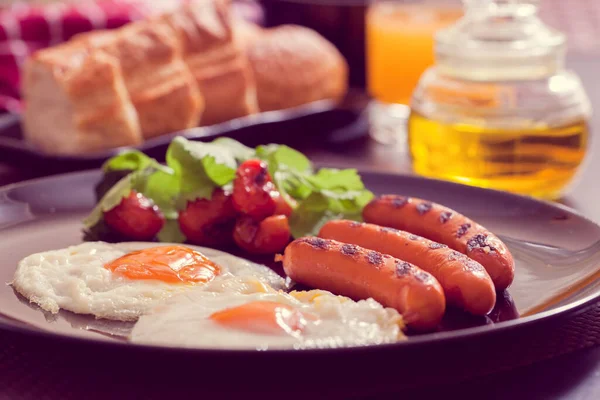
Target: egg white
75	279
184	321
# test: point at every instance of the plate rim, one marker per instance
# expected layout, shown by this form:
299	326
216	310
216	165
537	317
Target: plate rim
200	132
414	342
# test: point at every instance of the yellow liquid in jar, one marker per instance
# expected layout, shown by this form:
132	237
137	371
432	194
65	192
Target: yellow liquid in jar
538	161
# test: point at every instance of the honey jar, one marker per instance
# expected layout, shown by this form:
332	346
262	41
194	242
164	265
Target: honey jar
499	109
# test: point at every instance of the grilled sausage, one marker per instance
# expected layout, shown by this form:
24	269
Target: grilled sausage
444	225
355	272
465	282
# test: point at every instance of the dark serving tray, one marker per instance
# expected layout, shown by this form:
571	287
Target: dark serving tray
320	121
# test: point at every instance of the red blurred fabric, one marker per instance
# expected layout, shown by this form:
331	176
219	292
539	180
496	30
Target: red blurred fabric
25	28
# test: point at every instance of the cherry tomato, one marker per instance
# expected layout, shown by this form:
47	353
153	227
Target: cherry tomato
209	222
270	235
283	207
136	218
252	190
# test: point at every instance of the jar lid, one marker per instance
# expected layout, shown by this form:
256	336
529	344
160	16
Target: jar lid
500	40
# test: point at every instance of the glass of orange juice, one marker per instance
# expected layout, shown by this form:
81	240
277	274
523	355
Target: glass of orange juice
400	37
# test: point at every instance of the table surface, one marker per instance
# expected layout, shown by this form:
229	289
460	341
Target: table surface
572	376
575	376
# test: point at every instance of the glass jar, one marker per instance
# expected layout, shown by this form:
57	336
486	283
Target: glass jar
498	109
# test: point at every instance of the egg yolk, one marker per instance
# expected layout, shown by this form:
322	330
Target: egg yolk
172	264
265	317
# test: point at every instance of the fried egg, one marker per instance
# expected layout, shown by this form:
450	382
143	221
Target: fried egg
123	281
236	319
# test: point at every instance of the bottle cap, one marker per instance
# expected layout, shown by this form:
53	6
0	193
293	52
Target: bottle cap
499	40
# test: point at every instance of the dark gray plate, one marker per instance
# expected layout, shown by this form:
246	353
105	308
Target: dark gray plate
557	255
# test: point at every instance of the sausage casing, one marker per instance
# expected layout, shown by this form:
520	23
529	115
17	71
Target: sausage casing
444	225
358	273
466	283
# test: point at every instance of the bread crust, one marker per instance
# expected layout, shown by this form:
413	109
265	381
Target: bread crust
294	65
76	101
204	29
160	85
195	65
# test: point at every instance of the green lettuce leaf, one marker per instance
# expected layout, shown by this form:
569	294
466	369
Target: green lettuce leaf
157	182
323	206
332	179
240	152
162	188
158	185
132	160
171	233
280	157
202	167
310	215
288	169
115	194
332	194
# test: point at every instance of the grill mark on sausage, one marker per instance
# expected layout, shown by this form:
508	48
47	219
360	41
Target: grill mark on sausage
374	258
479	241
472	265
423	208
445	216
454	255
468	263
435	245
402	268
462	230
388	230
422	276
316	242
399	201
349	249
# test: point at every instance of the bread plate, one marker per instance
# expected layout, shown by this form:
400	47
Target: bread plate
317	120
556	251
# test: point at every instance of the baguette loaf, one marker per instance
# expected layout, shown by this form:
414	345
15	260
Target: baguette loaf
76	102
245	33
204	29
195	65
160	85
